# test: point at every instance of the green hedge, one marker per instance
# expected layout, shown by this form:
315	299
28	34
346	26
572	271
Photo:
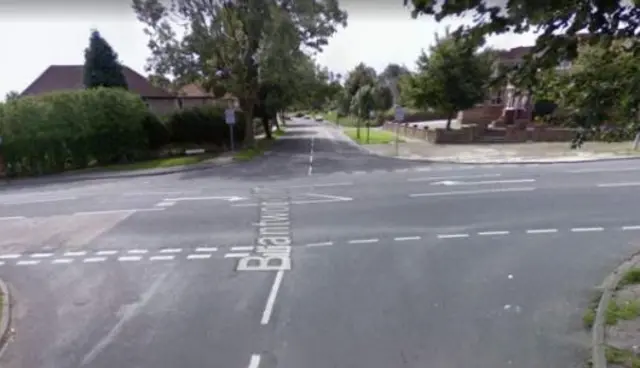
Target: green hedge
65	130
204	125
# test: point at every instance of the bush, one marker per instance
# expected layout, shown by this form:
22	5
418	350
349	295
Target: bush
203	125
64	130
157	132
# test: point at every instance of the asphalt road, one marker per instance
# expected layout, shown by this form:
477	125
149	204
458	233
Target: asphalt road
393	263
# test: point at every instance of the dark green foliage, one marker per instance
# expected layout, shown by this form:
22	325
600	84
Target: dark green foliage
157	132
67	130
203	125
101	66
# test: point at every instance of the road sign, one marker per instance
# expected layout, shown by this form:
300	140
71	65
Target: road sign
230	116
399	114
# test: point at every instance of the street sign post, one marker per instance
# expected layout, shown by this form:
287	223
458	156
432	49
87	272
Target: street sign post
399	118
230	119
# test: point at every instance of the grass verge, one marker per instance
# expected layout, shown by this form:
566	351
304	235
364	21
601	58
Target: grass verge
590	315
621	357
617	311
375	136
158	163
250	153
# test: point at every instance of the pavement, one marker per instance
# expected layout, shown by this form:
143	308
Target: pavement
501	153
317	254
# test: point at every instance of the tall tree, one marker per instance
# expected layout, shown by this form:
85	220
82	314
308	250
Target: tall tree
101	66
362	75
229	44
453	77
558	22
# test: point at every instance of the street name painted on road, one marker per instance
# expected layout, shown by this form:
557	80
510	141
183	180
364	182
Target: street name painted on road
273	252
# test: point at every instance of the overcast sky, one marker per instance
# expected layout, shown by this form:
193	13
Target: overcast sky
35	35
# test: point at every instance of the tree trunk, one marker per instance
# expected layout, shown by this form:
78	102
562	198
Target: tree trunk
276	122
266	126
449	118
249	138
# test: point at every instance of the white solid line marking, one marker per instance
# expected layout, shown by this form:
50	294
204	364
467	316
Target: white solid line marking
129	258
363	241
486	191
453	177
9	218
44	200
94	259
452	236
1	263
75	254
615	185
325	244
513	181
632	227
488	233
62	261
206	249
165	204
542	231
106	252
27	263
171	250
603	170
198	256
332	185
41	255
422	169
401	170
161	258
271	300
586	229
406	238
241	249
107	212
255	361
173	193
237	255
137	251
10	256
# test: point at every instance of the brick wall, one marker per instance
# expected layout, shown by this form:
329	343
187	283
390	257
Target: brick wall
481	114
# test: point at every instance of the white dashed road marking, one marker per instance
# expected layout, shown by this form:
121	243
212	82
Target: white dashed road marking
129	258
62	261
452	236
27	263
237	255
41	255
633	227
171	250
491	233
324	244
137	251
95	259
10	256
363	241
241	249
199	256
586	229
106	252
75	254
206	249
542	231
161	258
407	238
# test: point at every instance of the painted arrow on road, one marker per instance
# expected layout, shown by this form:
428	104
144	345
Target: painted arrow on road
513	181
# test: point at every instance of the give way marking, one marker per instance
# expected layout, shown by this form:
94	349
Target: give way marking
315	198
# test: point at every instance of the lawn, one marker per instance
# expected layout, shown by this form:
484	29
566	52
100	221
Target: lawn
159	163
376	136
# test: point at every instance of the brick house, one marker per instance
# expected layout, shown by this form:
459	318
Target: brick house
70	77
503	98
